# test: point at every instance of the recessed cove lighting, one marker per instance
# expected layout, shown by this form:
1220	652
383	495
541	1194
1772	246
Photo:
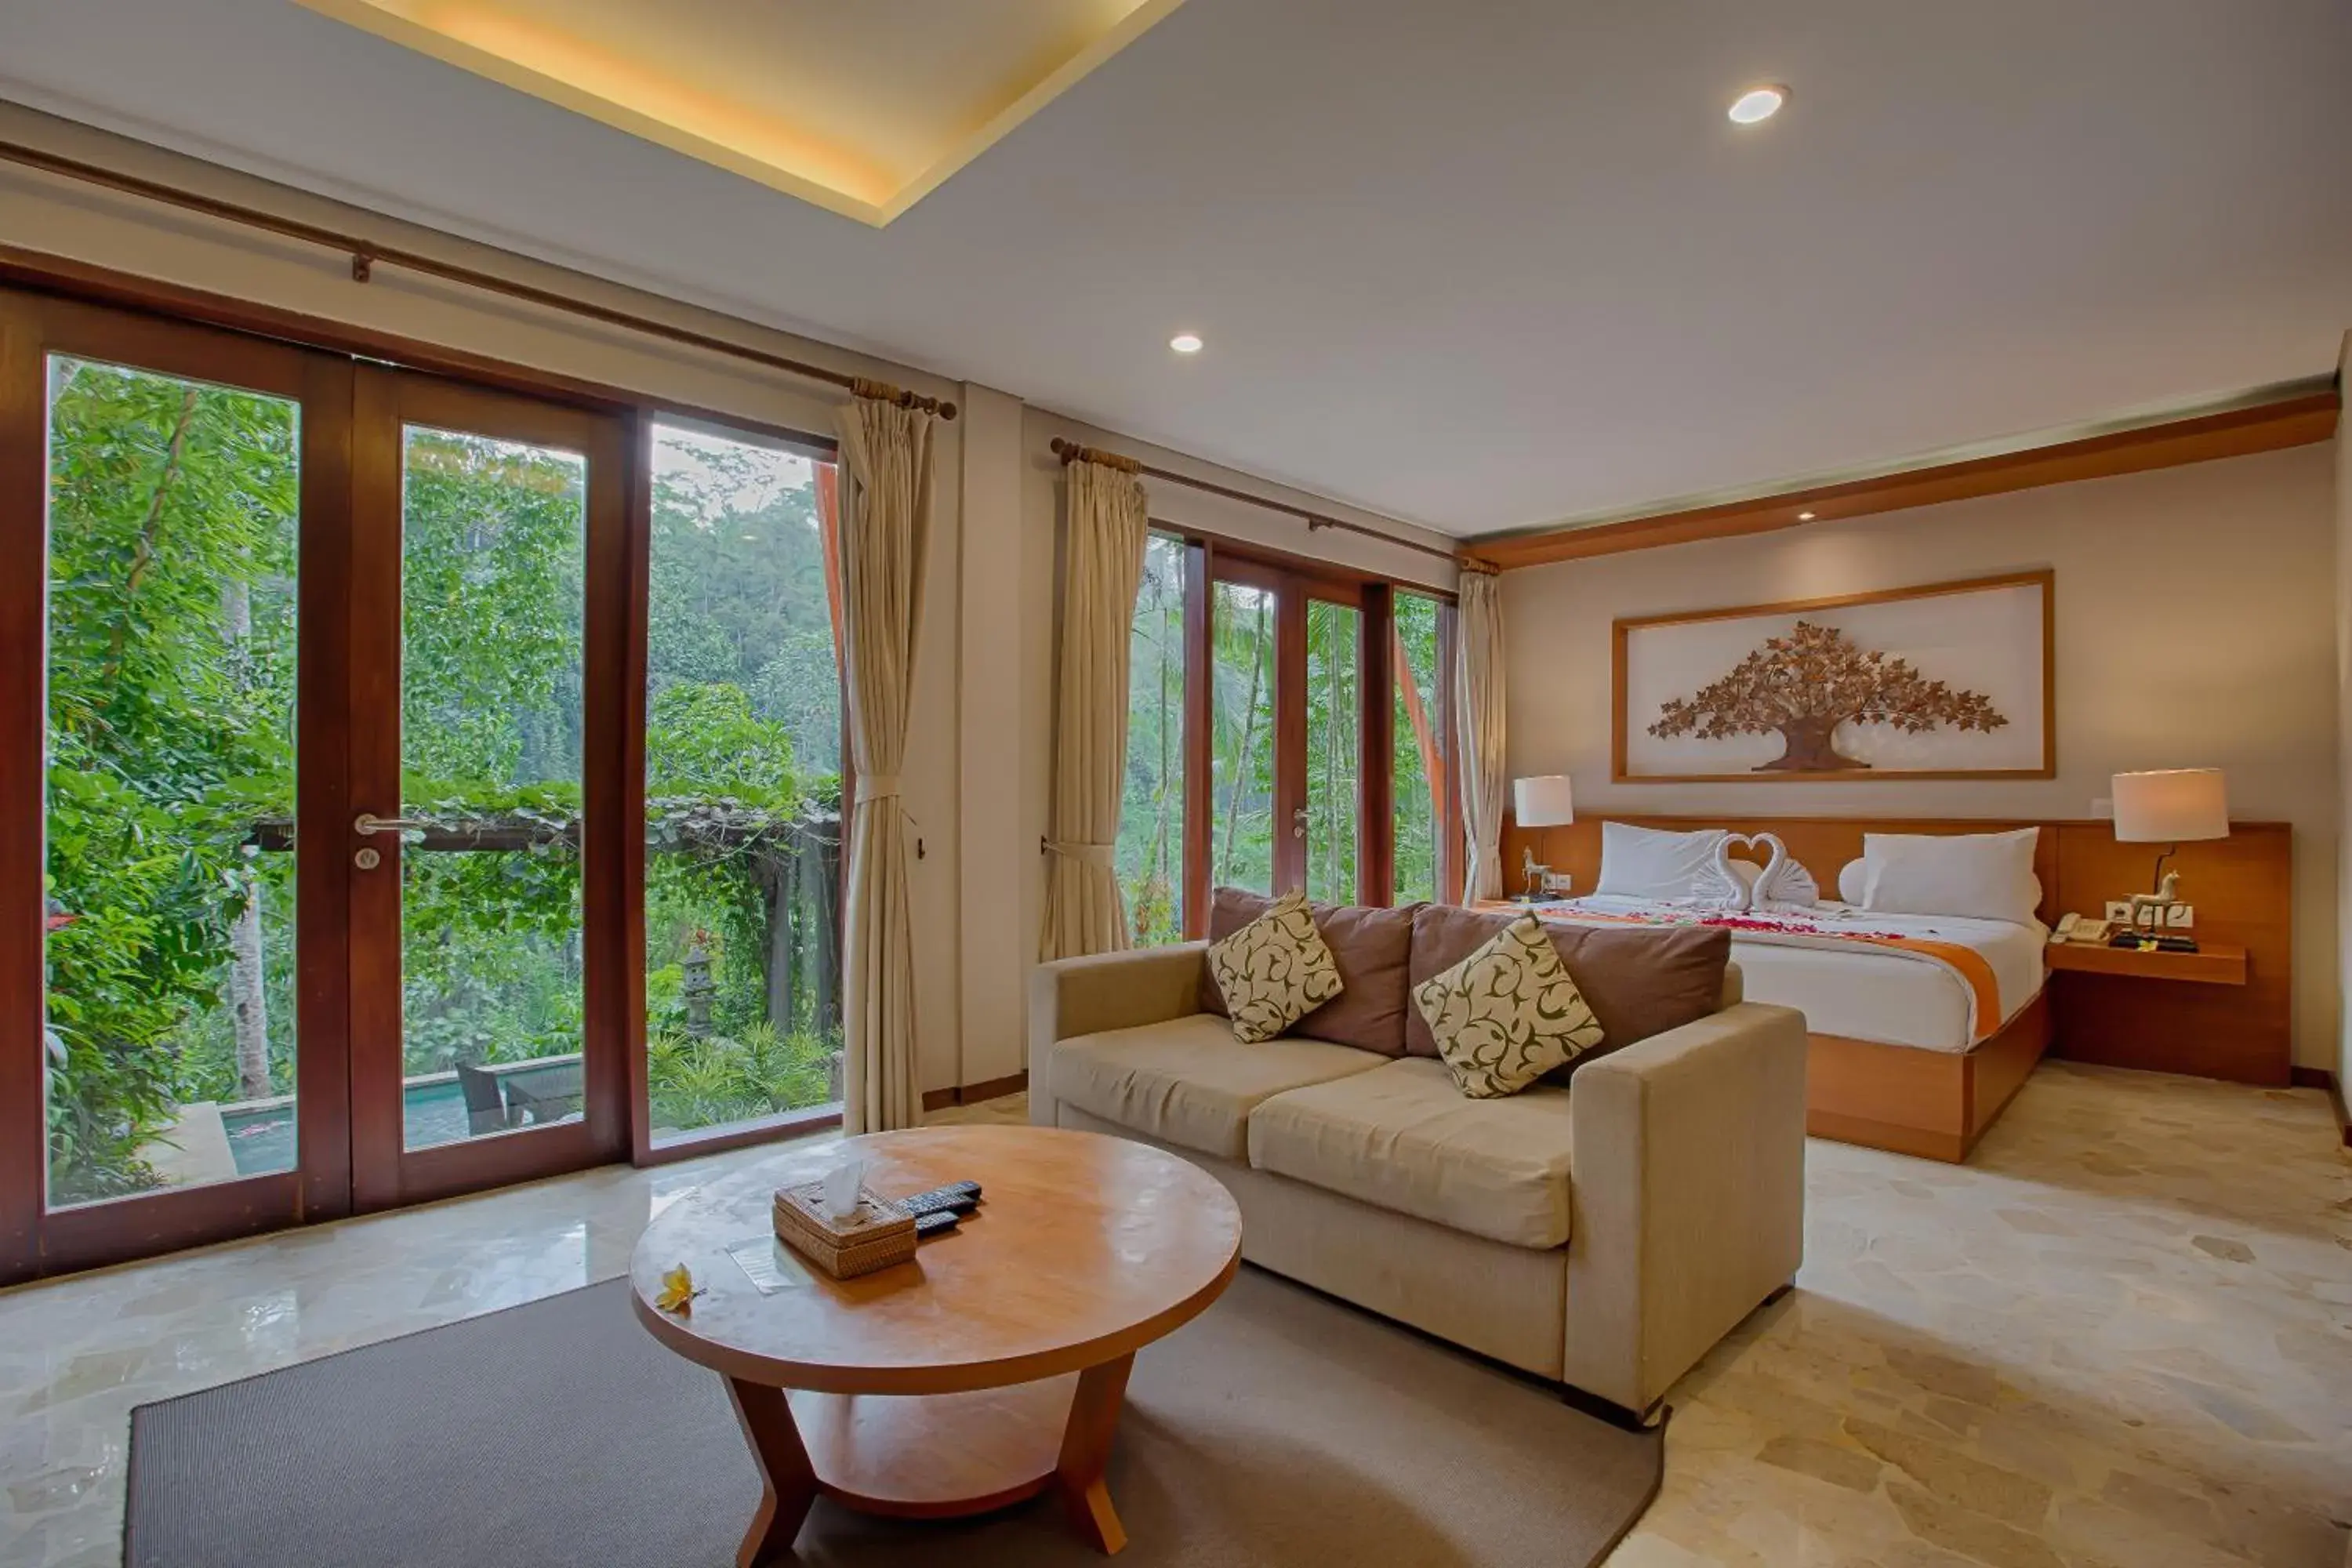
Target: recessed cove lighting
1185	343
1758	103
1804	517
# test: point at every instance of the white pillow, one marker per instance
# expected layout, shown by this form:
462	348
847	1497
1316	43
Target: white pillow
1853	880
1981	875
1645	863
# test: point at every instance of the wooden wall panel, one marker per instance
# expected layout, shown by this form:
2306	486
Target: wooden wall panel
2241	886
1820	844
2243	889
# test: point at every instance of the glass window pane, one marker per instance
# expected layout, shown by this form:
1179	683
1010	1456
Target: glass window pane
492	563
1152	813
169	1035
742	787
1334	750
1241	639
1419	751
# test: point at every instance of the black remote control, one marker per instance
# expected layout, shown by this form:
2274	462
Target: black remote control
938	1222
956	1198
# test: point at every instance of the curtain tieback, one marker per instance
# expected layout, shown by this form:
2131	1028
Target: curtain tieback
875	787
1086	854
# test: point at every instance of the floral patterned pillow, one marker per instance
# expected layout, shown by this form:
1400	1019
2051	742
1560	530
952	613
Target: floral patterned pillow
1507	1014
1273	971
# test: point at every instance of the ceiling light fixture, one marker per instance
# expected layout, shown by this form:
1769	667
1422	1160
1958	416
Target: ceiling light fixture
1758	103
1185	343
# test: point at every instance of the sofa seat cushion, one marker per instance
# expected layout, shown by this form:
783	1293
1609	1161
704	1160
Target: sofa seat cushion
1401	1137
1188	1081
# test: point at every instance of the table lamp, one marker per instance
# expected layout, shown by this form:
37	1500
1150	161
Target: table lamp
1543	801
2171	806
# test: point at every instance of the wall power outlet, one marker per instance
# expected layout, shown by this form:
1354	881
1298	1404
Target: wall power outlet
2120	911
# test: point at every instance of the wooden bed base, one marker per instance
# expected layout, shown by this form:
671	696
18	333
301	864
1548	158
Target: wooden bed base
1933	1104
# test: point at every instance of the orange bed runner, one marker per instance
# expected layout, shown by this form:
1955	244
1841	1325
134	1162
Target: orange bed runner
1967	962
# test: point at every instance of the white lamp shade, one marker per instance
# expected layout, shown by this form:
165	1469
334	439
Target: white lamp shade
1543	801
2171	806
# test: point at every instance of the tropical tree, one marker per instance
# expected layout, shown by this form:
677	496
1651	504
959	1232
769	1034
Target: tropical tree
1806	685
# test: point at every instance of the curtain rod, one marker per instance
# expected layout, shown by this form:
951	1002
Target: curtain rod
1072	452
366	255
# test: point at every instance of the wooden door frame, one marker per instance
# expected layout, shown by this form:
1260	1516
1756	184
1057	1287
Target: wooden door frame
1294	582
34	1239
385	1173
113	316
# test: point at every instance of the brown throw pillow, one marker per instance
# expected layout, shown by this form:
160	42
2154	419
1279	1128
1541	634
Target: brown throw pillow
1372	948
1638	981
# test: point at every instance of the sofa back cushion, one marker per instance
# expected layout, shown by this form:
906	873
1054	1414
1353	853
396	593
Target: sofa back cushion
1372	949
1639	982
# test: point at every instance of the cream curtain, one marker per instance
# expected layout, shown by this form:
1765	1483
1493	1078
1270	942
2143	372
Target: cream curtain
885	526
1103	556
1479	701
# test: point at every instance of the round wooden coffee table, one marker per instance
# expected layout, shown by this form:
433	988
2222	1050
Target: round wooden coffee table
990	1369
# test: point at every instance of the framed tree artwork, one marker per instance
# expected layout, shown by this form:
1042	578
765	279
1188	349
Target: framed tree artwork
1944	680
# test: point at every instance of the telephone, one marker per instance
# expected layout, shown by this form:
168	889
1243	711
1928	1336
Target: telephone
2082	929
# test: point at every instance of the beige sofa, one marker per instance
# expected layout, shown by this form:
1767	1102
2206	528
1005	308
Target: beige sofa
1605	1234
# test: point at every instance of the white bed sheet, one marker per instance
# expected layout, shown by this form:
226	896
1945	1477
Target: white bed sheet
1878	994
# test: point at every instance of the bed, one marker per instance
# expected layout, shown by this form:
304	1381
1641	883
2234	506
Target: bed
1922	1028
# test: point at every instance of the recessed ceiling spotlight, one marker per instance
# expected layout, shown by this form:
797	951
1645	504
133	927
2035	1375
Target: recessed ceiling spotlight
1185	343
1758	103
1804	517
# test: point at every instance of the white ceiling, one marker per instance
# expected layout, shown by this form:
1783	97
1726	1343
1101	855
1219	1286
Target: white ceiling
1477	265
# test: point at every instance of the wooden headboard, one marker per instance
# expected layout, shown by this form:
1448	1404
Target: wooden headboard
1820	844
2241	887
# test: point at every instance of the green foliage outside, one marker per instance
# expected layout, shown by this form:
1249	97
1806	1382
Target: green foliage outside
1416	749
744	784
170	697
171	730
1241	736
1334	750
1150	859
1242	672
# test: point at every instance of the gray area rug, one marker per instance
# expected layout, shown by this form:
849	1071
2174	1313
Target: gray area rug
1279	1427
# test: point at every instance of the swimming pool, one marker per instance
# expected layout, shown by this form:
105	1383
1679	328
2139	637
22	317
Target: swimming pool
261	1138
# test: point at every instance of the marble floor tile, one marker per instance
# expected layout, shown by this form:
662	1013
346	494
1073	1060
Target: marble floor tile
2121	1337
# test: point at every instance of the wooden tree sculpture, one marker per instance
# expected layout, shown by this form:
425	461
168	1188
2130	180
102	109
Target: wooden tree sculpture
1808	683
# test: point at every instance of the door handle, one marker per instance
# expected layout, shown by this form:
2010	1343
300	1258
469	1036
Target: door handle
368	822
1298	823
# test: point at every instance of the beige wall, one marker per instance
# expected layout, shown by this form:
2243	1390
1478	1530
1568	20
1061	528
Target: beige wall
976	778
2196	628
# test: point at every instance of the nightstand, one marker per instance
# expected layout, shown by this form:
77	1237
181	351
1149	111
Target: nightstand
2213	962
2164	1012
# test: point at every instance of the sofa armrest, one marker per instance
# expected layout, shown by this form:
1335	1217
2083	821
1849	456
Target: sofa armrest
1686	1177
1074	997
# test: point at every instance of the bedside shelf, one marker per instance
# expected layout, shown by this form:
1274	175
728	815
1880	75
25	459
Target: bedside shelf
2216	963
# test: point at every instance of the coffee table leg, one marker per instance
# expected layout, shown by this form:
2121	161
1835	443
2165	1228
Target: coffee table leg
788	1480
1086	1451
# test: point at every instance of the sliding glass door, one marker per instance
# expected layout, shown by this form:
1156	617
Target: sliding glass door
485	837
171	964
1298	736
311	739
